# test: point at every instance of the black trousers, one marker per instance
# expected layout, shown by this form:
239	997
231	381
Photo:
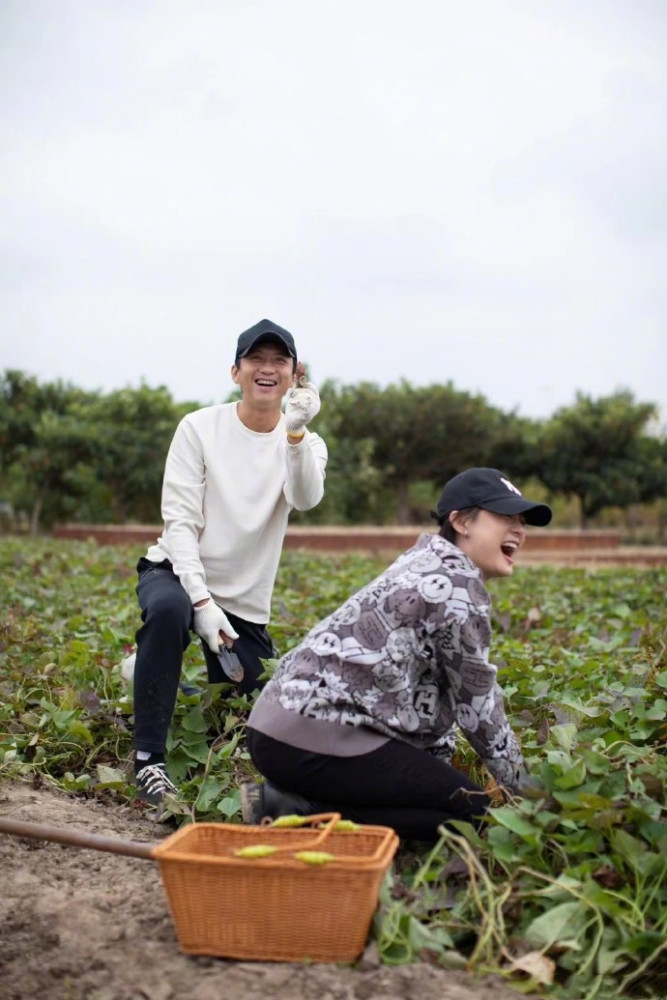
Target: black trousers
166	613
396	785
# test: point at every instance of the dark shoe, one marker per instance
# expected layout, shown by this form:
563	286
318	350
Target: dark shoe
189	689
262	803
153	783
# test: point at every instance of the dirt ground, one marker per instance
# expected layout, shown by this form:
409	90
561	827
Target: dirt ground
83	924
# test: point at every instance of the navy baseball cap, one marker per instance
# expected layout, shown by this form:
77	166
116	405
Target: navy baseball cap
261	332
491	490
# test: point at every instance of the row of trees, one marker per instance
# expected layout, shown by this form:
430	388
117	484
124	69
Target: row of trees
69	454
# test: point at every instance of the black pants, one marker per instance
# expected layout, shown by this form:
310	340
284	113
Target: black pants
395	785
166	613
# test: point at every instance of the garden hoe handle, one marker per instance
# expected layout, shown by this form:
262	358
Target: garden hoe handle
41	831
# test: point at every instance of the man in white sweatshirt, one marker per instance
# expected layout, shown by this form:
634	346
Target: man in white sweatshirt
232	475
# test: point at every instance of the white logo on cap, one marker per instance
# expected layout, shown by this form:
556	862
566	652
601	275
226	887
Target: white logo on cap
510	486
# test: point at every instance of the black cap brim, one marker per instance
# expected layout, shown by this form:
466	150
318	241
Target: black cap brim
536	514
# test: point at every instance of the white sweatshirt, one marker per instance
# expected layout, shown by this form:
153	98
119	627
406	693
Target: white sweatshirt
226	496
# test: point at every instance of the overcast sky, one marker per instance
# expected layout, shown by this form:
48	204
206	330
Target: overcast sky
465	190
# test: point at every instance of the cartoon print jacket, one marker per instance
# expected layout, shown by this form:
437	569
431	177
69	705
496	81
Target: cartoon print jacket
407	656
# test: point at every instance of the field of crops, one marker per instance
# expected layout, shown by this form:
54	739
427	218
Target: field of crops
565	894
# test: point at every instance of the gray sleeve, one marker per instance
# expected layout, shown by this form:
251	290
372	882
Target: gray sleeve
476	698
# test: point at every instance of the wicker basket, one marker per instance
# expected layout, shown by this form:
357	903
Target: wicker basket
274	908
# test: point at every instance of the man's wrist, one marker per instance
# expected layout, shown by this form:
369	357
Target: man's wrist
296	437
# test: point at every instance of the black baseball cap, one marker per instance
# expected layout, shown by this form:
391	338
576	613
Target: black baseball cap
491	490
260	332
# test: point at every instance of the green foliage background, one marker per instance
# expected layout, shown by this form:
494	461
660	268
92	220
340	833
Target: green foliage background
66	454
565	894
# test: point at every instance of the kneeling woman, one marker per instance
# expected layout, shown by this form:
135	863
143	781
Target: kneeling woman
360	718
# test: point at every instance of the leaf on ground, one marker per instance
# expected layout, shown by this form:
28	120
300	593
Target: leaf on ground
536	965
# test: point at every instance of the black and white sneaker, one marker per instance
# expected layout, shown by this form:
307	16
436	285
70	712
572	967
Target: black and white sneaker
153	783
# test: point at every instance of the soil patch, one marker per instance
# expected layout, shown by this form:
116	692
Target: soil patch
81	924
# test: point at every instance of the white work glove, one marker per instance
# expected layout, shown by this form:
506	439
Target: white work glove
303	403
209	621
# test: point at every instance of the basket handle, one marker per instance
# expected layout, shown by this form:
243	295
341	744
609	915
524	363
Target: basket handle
328	821
368	860
386	843
328	827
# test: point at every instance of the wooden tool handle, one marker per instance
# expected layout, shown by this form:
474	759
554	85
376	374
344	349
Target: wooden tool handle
41	831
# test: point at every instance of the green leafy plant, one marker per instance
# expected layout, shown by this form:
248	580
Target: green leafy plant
565	894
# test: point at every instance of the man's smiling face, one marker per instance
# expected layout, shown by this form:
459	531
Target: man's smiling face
265	374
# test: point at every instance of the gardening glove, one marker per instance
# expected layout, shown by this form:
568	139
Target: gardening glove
303	403
209	621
